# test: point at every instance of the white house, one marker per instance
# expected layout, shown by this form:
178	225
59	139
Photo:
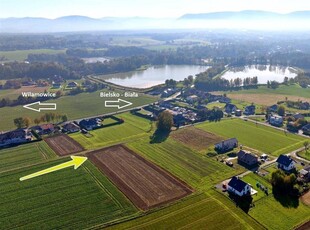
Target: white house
285	163
238	187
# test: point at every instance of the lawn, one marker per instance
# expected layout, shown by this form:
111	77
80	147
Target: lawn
273	215
66	199
134	127
199	211
21	55
198	171
260	137
253	179
24	155
78	106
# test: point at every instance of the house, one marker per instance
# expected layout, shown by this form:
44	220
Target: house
44	129
305	173
230	108
192	99
247	158
179	120
276	120
226	145
90	124
285	163
70	128
224	100
15	137
72	84
304	105
273	108
56	85
306	129
249	110
238	187
298	116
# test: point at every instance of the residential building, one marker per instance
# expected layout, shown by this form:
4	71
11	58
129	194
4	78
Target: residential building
230	108
249	110
72	84
238	113
285	163
306	129
247	158
298	116
226	145
273	108
90	124
44	129
276	120
238	187
70	128
15	137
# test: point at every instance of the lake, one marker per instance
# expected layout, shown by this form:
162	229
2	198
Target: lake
263	73
154	75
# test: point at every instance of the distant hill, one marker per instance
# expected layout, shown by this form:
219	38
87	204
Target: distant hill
246	15
74	23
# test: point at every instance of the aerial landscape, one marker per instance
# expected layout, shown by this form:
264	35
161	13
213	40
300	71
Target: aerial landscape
155	114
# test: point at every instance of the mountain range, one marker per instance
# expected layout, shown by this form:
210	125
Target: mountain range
82	23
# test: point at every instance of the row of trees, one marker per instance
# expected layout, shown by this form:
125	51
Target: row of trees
22	122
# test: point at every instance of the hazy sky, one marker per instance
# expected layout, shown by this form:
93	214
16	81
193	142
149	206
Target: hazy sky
142	8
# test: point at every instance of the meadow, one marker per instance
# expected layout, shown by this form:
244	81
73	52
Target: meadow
273	215
21	55
199	211
133	128
196	170
66	199
305	154
256	136
78	106
25	155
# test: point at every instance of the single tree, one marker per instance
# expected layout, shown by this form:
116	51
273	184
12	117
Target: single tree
19	122
165	121
306	144
281	110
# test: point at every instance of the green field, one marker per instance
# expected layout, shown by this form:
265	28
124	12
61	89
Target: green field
260	137
133	128
78	106
198	171
202	211
291	90
21	55
273	215
24	155
66	199
305	154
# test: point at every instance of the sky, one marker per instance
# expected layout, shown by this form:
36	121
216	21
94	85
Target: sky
140	8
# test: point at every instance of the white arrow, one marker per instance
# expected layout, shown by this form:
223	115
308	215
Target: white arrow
42	106
117	103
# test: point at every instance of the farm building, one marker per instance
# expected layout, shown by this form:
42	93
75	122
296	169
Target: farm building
276	120
44	129
226	145
230	108
15	137
70	128
238	187
285	163
247	158
90	124
249	110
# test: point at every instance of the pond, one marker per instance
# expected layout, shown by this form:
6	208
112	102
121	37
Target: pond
154	75
262	72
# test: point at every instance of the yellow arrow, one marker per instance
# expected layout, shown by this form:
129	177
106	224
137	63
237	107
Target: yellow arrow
76	162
